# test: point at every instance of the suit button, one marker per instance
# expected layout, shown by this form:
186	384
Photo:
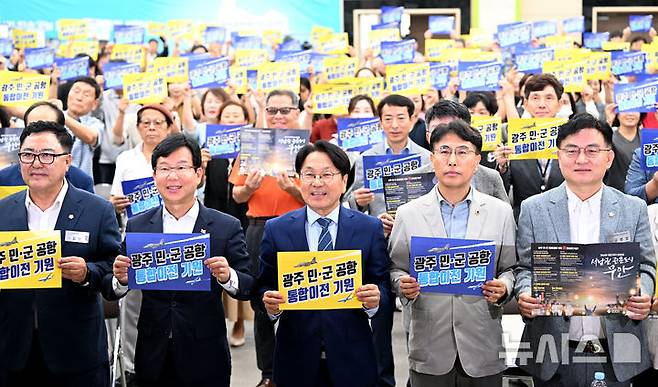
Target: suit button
173	304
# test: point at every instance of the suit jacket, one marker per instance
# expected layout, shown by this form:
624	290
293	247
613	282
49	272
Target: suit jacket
70	319
345	333
485	180
545	218
76	177
194	319
443	325
527	181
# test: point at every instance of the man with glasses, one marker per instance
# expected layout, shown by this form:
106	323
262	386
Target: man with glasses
182	335
455	340
267	197
325	347
57	336
584	210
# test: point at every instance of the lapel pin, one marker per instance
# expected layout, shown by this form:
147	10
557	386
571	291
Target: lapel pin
611	214
203	231
71	216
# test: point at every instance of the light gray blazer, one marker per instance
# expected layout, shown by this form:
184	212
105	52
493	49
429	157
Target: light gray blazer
545	218
444	325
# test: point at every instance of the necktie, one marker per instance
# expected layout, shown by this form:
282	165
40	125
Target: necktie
324	243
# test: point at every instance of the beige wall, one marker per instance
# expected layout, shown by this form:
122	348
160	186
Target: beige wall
532	10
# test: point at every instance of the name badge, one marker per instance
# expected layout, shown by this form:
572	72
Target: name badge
621	237
76	236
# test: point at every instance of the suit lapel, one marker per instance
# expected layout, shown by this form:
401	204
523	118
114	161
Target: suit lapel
558	211
70	212
203	221
298	238
155	223
18	213
345	230
609	215
477	216
432	214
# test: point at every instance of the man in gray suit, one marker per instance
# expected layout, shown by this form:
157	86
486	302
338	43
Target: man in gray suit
584	210
455	340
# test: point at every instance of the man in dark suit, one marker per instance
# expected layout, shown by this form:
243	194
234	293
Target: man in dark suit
56	337
181	338
325	347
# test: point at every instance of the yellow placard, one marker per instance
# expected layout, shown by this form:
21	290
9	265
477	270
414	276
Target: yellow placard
131	53
145	88
175	69
72	29
491	130
281	76
651	61
376	37
273	36
8	190
71	49
27	38
320	280
331	98
372	87
408	79
156	28
571	73
533	138
434	48
558	41
338	70
333	43
615	46
238	77
29	259
250	58
23	89
598	66
571	53
317	32
181	30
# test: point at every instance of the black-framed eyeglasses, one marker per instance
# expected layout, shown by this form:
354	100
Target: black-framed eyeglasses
44	158
283	110
591	151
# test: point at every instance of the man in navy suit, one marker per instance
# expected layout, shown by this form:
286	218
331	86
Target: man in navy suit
327	347
56	337
181	338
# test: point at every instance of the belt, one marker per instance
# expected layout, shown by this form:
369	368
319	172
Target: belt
592	347
260	221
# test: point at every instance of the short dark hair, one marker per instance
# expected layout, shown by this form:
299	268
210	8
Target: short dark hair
63	136
172	143
396	100
232	102
218	92
90	81
337	156
584	121
294	98
447	108
361	97
487	100
58	112
639	38
539	81
616	34
460	128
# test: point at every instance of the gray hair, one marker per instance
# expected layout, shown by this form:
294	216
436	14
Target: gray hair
290	94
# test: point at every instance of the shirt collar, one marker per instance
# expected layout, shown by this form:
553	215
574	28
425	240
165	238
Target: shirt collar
405	150
468	199
312	216
593	202
192	213
58	200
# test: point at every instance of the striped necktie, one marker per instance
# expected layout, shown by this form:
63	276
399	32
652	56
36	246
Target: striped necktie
324	243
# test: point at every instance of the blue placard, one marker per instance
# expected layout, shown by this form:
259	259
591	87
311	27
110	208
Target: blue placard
9	146
636	97
533	60
143	195
627	62
649	153
544	28
317	61
453	266
479	77
209	73
223	141
127	34
252	79
391	14
384	26
39	58
439	75
595	40
301	57
113	73
574	24
214	35
6	47
290	45
247	42
640	23
514	34
72	68
442	25
358	134
398	52
168	261
376	167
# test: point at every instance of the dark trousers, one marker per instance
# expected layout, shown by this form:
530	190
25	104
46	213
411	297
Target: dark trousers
36	373
104	173
457	377
263	326
647	378
382	325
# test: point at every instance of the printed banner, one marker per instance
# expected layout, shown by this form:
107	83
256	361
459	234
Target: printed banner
375	168
403	51
214	34
649	153
598	66
439	75
247	43
408	79
272	151
113	73
338	70
544	28
143	195
168	261
514	34
574	24
615	46
640	23
333	43
28	259
436	48
28	38
39	58
238	77
491	130
209	73
145	88
250	58
533	61
331	98
595	40
452	266
9	146
636	97
223	141
72	68
441	25
571	73
72	29
533	138
584	280
125	34
320	280
174	69
358	134
281	76
303	58
131	53
627	62
373	87
23	89
399	190
479	77
391	14
76	47
181	30
376	37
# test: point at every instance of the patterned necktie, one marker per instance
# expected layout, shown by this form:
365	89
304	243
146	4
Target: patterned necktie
324	243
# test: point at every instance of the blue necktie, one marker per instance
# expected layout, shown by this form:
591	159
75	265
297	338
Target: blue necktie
324	243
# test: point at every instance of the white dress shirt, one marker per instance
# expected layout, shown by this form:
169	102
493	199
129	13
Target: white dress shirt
585	228
38	220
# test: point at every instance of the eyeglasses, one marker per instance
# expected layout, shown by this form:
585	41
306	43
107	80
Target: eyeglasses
461	152
325	177
44	158
179	170
591	151
156	123
283	110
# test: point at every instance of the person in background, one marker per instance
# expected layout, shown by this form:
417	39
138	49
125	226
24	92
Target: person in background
625	140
